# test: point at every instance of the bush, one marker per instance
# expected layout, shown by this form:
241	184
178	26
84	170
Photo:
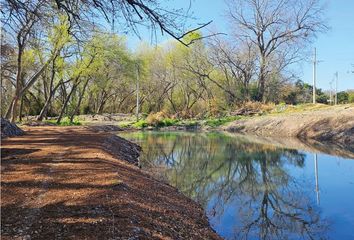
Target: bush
160	119
343	97
168	122
65	122
155	118
351	97
140	124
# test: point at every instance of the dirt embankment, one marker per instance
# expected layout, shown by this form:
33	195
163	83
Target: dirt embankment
335	124
73	183
9	129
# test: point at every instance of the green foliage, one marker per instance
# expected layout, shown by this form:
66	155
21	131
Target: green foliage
322	98
167	122
177	83
216	122
351	97
140	124
343	97
125	124
189	123
143	123
59	35
65	122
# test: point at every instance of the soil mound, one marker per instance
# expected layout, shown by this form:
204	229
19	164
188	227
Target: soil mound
9	129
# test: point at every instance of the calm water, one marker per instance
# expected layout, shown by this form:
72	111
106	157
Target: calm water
255	191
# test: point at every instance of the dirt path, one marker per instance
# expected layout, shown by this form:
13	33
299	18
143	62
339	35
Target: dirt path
332	124
70	183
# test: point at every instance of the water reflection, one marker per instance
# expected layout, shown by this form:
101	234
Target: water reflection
317	190
247	189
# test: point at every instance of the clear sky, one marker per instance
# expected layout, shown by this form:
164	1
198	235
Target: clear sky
335	48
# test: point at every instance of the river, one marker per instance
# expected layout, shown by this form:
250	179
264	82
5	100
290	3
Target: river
253	190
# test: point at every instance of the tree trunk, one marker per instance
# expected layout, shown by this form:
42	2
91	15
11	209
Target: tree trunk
9	109
20	90
65	104
51	92
100	107
44	110
261	81
21	108
14	109
260	93
102	102
11	113
77	108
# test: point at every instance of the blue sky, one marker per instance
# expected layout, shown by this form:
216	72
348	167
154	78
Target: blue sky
335	48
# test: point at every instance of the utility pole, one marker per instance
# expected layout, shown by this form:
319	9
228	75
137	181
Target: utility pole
330	93
137	92
335	98
314	78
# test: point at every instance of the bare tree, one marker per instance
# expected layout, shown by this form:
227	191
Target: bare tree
275	26
237	63
130	14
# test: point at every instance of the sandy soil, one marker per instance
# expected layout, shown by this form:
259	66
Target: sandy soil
334	124
73	183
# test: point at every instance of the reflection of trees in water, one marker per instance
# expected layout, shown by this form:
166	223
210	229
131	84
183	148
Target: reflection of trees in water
231	171
276	208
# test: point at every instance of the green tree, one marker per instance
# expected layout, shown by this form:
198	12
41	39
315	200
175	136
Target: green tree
343	97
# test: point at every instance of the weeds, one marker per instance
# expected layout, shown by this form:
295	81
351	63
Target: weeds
216	122
65	122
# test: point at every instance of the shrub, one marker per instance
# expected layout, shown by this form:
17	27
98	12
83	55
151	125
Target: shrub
140	124
168	122
351	97
65	122
155	118
160	119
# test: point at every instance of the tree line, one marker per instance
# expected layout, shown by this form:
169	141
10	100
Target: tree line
56	62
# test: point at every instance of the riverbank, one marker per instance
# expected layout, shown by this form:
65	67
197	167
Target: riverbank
330	124
73	182
319	122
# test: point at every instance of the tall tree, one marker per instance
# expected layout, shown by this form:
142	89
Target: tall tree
26	28
278	29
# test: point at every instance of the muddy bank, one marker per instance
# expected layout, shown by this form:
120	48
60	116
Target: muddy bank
334	125
73	183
